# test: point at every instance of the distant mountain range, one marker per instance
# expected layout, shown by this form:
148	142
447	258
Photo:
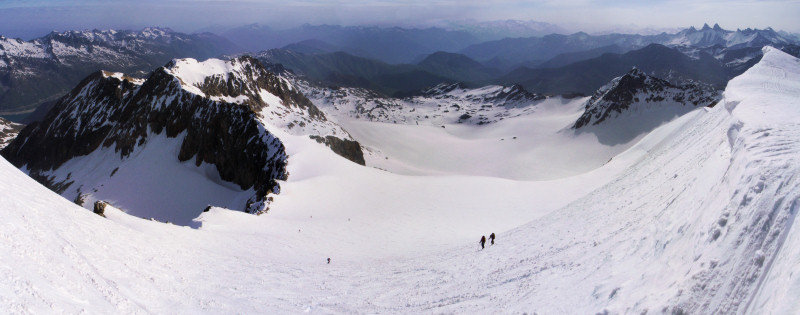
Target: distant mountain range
44	69
553	64
520	50
343	69
587	76
387	44
494	30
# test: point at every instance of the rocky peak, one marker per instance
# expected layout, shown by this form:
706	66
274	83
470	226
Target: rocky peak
636	89
241	80
109	111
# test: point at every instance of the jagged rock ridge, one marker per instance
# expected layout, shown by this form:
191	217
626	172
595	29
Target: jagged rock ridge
636	90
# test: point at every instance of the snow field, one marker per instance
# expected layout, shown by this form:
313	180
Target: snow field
696	216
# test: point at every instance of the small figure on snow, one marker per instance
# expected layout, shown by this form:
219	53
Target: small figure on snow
329	260
491	237
483	241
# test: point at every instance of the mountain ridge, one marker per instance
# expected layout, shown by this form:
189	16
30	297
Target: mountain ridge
45	68
217	116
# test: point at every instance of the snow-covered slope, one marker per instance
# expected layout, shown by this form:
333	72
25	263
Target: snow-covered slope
8	131
493	131
697	217
192	134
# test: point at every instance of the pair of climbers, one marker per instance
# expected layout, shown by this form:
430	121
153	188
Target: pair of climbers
483	240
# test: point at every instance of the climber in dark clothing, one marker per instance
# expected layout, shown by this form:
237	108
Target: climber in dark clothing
483	241
491	238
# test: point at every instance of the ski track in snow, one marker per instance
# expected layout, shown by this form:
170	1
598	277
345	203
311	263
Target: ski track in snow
697	217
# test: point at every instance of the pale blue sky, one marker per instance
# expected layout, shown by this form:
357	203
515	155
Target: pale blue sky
29	18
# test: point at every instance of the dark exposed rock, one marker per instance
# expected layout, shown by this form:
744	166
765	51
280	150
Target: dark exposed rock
348	149
100	208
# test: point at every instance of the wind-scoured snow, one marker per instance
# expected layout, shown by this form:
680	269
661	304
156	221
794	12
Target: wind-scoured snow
696	217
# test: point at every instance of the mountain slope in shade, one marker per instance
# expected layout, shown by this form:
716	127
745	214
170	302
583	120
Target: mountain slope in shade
343	69
457	67
190	135
43	69
569	58
637	94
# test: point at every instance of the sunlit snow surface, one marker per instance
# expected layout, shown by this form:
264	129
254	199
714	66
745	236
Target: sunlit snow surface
697	216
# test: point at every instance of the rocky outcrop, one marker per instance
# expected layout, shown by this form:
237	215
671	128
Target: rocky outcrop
100	208
348	149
